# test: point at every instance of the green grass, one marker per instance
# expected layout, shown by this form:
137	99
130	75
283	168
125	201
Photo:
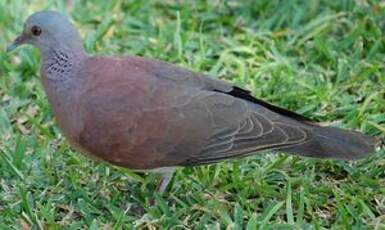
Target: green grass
324	59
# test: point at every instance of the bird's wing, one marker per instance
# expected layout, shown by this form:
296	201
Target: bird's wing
186	77
239	123
240	128
254	134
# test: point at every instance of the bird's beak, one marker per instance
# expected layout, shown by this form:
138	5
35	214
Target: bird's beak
17	42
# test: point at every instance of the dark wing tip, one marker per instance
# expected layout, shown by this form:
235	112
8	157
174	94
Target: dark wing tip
246	95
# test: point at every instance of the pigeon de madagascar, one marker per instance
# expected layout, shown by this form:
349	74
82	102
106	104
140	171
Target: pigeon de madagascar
149	115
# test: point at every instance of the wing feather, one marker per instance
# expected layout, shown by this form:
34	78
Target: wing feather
254	134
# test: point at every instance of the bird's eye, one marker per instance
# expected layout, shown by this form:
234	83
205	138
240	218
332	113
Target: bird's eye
35	30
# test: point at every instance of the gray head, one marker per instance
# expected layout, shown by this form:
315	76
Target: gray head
47	30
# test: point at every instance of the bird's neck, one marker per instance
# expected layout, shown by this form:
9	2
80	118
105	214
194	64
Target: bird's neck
60	66
62	78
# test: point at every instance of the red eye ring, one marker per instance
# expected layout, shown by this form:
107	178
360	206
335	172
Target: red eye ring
35	30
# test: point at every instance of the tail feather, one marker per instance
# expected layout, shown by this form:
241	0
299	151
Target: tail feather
335	143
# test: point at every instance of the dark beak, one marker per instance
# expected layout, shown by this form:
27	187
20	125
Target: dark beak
17	42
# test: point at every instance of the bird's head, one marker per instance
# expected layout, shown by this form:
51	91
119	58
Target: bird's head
47	30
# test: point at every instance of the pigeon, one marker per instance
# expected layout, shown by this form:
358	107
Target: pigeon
149	115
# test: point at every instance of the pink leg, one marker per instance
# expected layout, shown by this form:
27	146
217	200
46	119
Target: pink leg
163	181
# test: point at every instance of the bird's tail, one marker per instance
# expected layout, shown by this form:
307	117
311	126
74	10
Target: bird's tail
335	143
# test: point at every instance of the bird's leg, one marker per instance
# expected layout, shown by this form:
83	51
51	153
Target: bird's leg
163	181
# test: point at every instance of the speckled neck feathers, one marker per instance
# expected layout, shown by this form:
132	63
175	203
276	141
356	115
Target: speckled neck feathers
57	66
60	67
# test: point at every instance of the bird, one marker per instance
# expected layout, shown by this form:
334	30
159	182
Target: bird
149	115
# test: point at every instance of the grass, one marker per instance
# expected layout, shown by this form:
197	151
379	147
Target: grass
322	58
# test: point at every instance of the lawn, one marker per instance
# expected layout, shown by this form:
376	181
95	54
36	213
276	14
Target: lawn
324	59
